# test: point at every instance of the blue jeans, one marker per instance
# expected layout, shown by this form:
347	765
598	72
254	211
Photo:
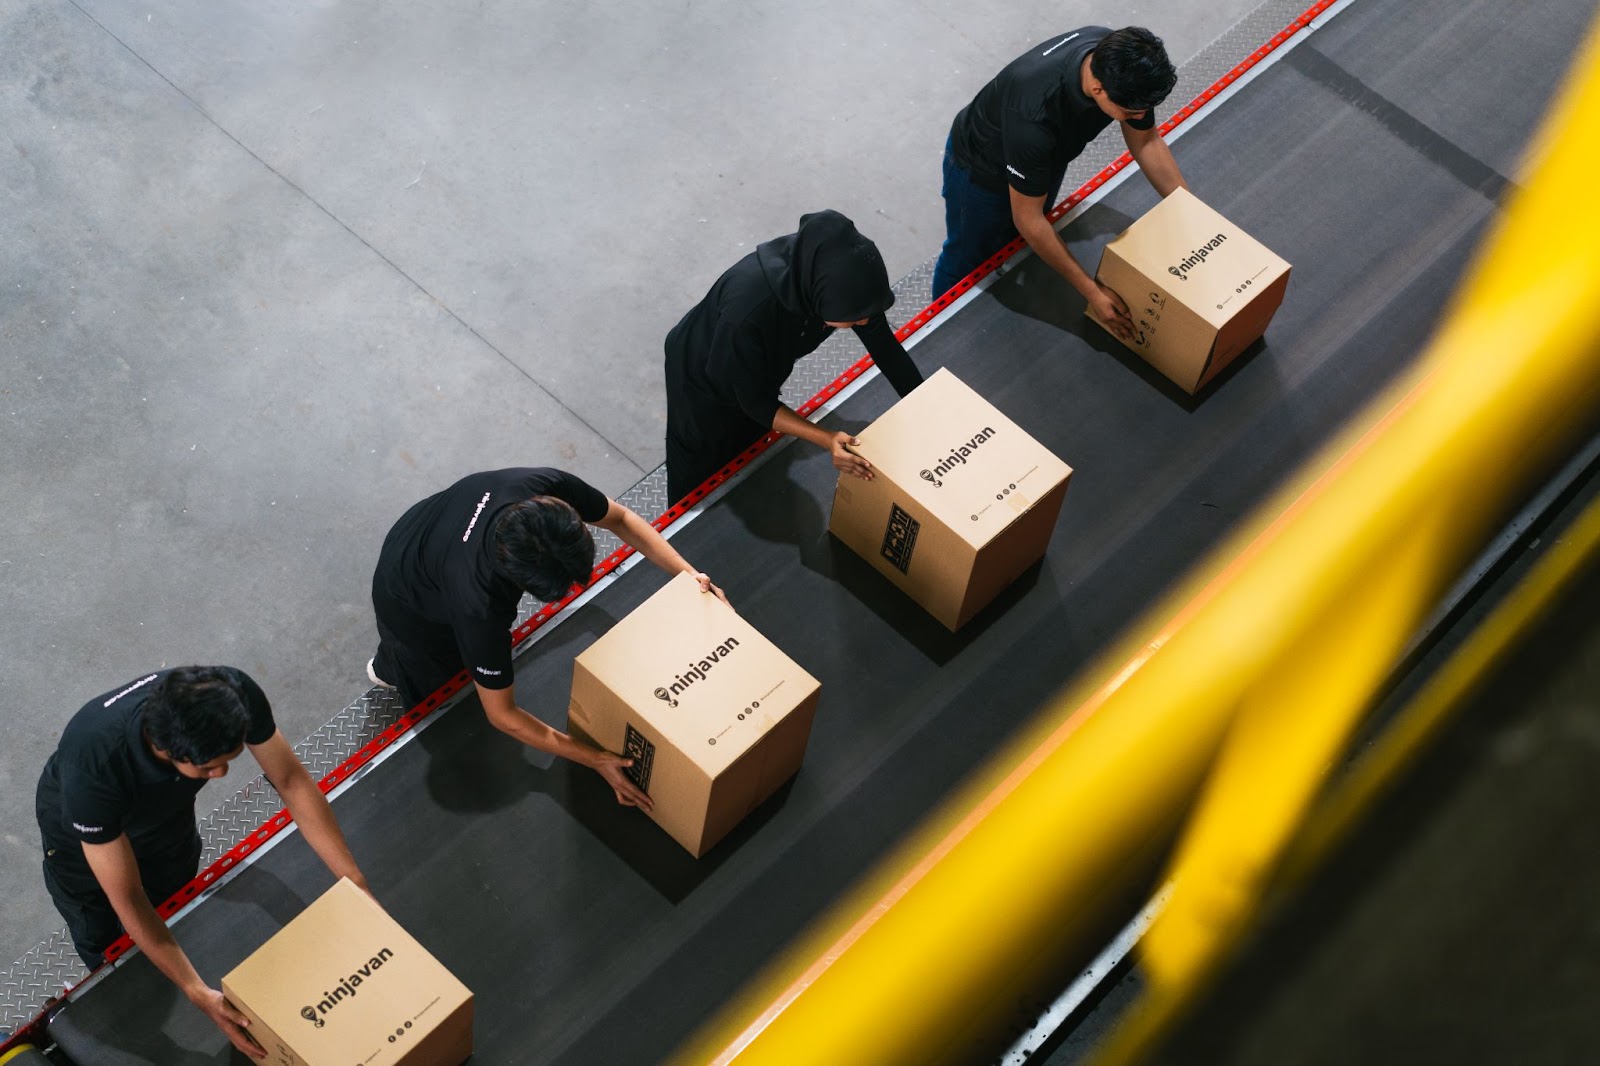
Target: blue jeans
977	223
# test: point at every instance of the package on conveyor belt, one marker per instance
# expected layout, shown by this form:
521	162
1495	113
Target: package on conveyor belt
961	503
1199	288
714	716
343	983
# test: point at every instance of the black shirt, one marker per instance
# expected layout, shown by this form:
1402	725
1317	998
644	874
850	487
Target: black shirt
1025	126
439	560
738	345
103	780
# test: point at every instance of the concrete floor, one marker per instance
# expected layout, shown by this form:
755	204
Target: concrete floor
270	273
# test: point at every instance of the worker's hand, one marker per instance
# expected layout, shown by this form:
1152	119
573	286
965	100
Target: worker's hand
707	586
1112	313
611	766
226	1017
847	461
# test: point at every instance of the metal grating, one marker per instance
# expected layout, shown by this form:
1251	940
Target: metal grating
52	966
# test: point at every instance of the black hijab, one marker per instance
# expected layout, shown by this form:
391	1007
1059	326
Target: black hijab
826	270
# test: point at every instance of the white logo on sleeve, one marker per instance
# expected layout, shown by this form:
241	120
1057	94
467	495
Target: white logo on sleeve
137	684
1015	172
1059	43
485	670
80	827
475	515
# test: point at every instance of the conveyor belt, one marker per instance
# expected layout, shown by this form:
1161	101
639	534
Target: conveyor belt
587	934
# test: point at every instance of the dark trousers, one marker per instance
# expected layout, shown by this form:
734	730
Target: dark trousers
91	921
977	223
690	461
414	655
702	435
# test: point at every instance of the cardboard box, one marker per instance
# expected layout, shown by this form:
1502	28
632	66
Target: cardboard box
1200	289
714	716
962	501
343	983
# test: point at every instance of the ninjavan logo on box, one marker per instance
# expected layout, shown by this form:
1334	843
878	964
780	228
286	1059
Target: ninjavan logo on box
345	989
696	671
957	457
900	537
1196	257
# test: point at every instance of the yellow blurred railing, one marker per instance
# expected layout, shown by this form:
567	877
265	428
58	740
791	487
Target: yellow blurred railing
1264	663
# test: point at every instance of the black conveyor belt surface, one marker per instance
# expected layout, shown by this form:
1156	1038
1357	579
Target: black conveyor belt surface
585	933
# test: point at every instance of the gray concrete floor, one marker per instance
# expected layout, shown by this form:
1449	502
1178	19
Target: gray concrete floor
270	273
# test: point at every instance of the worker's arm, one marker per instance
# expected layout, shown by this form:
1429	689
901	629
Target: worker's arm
118	873
889	354
307	806
500	705
1028	215
1150	151
835	444
645	539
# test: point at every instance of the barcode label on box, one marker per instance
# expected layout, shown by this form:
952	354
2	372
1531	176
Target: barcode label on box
643	754
900	537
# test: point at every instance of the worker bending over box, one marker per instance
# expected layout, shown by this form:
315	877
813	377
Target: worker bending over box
713	716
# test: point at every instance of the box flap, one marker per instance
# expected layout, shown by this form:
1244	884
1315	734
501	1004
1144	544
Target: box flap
343	982
701	675
957	456
1209	264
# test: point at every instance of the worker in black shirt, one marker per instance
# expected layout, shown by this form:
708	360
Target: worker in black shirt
455	566
115	805
1008	150
728	358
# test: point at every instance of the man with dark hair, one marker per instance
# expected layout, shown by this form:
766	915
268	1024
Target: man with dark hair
1008	150
455	566
727	359
115	805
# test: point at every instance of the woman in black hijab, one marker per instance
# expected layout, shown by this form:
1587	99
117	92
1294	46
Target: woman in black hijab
728	358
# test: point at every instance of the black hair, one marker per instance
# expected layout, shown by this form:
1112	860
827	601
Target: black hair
1133	66
543	547
195	714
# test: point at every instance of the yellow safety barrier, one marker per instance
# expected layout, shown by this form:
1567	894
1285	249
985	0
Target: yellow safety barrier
1508	384
1402	741
1292	633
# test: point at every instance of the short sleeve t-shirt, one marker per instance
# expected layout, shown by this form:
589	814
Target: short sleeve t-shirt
438	560
1026	125
103	780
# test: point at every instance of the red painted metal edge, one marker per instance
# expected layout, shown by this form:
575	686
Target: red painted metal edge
33	1031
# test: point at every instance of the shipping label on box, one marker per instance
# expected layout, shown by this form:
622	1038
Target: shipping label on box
714	716
344	983
1199	289
962	500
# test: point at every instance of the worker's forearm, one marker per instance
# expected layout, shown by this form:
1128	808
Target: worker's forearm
786	421
1159	167
645	539
312	813
522	726
1046	244
148	931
